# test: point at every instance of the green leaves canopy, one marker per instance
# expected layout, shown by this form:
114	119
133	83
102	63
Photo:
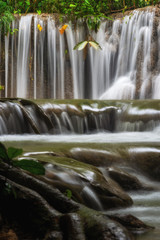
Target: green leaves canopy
90	10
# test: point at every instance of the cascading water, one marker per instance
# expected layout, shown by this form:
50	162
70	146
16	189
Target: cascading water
48	67
23	56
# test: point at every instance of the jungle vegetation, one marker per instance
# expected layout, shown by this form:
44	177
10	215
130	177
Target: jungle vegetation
91	10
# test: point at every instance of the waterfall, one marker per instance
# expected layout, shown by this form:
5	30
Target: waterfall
135	40
23	61
43	64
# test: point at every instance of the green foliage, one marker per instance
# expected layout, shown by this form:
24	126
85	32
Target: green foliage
8	155
4	154
31	166
14	152
91	11
6	16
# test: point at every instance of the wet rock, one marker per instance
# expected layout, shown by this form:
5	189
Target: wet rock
73	110
147	161
54	236
9	235
132	223
101	227
125	180
72	227
95	157
86	182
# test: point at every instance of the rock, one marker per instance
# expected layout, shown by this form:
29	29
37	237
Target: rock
95	157
132	223
147	161
125	180
72	226
86	182
101	227
40	219
54	236
9	235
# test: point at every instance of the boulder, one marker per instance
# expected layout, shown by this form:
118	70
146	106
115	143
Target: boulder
125	180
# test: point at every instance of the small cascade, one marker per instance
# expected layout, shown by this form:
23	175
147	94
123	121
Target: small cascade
134	119
42	63
27	117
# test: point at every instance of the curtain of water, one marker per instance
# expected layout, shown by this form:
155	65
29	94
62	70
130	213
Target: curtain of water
6	63
48	67
134	43
52	50
23	59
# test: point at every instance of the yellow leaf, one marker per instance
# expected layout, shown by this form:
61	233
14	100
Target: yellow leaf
95	45
63	28
39	27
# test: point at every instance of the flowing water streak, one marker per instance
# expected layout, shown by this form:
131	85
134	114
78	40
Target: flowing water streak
156	80
148	22
35	55
103	63
75	36
52	52
6	63
136	31
12	61
23	56
61	68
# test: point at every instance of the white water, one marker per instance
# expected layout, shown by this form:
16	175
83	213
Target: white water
136	31
23	59
124	137
147	208
48	67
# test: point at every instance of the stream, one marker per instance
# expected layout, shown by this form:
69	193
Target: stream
146	204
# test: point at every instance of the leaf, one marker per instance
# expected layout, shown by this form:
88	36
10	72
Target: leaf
1	87
95	45
63	28
14	152
3	153
81	45
39	27
72	5
39	12
30	166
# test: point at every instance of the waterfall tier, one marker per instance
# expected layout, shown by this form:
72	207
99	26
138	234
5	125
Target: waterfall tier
77	116
43	64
